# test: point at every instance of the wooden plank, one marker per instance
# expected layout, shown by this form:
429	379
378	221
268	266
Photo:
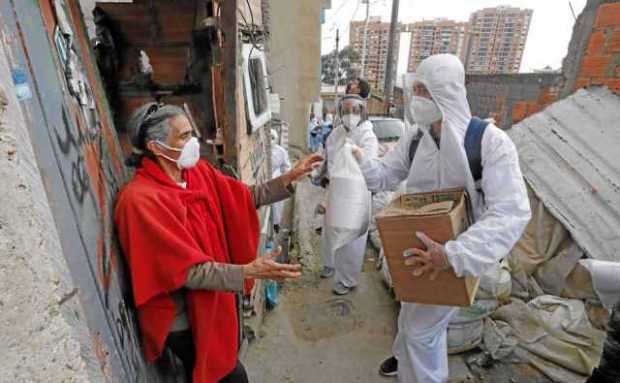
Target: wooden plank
139	25
219	110
169	64
232	97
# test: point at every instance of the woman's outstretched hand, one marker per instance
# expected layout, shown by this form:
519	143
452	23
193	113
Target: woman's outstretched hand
266	267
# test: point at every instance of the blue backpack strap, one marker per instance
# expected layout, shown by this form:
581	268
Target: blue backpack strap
473	146
413	147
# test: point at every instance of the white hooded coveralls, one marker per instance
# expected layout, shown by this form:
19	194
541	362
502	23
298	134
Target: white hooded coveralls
501	216
280	164
347	260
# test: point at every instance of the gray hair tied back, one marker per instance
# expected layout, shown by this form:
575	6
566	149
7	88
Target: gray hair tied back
149	123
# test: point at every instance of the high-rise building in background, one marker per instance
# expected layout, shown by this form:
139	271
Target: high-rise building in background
431	37
497	40
378	40
491	42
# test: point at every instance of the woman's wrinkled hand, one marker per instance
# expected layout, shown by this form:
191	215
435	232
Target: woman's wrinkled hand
304	167
266	267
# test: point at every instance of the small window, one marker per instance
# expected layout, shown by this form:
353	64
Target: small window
256	87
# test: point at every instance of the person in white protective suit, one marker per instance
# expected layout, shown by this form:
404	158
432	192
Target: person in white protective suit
280	164
438	107
345	263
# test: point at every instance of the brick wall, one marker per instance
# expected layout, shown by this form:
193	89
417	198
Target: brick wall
601	62
509	98
593	58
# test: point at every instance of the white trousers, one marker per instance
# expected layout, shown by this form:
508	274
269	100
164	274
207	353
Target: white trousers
347	260
277	210
421	345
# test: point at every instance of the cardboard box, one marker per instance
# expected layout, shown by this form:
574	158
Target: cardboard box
441	215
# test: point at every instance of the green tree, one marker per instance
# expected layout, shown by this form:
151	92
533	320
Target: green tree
349	64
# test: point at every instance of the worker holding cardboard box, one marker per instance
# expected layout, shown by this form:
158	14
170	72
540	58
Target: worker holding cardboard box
445	148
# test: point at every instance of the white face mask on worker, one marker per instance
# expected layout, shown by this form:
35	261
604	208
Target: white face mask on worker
190	153
351	121
424	111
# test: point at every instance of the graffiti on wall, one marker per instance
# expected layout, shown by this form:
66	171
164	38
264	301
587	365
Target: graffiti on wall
72	127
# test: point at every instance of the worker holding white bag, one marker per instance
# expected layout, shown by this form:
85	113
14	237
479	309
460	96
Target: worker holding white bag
345	231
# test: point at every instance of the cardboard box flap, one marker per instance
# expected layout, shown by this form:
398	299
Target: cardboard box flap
424	204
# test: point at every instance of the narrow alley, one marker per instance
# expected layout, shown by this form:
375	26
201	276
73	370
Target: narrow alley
174	171
315	336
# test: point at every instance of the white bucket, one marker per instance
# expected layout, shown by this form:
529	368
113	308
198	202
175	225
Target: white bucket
465	329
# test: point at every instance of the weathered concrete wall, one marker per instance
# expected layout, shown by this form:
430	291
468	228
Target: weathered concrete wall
294	47
44	335
509	98
78	158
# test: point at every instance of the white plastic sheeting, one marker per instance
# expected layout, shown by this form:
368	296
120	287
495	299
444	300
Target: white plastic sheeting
553	334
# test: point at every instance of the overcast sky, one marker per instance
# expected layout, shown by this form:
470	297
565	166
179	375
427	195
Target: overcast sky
547	43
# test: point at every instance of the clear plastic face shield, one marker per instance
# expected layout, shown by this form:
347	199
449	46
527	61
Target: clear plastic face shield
351	111
350	106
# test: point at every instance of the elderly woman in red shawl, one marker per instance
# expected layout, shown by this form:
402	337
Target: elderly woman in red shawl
190	236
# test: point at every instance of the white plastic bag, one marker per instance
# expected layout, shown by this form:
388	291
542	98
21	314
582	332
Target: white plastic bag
348	200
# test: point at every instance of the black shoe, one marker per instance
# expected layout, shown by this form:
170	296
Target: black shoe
389	367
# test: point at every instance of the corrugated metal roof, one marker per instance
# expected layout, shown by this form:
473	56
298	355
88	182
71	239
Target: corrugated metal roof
570	155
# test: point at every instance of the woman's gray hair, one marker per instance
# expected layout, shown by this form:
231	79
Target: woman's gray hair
150	122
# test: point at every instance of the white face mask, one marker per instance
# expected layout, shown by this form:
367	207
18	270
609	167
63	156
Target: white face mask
424	111
351	121
190	154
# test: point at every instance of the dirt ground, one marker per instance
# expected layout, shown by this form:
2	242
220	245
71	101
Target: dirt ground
313	336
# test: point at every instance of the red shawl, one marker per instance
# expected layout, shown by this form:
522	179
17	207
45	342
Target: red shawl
164	230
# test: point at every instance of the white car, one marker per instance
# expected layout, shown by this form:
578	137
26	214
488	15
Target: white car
388	131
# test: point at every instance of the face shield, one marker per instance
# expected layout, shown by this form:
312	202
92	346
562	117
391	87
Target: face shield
352	111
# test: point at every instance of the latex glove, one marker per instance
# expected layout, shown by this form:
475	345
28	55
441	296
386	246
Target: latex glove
358	152
433	260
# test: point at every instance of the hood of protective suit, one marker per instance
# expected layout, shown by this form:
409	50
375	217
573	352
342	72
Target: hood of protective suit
446	166
444	77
